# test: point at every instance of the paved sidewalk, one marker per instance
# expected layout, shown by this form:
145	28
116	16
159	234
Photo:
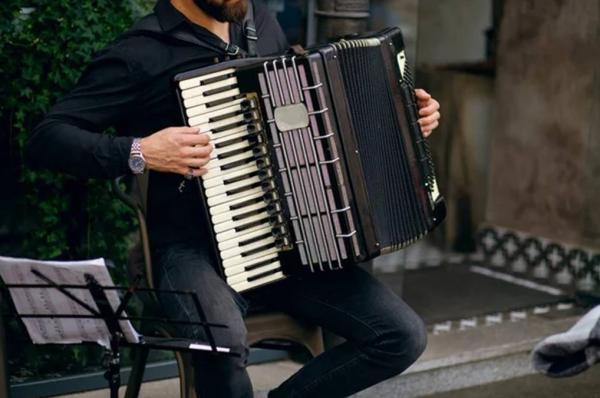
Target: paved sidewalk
263	376
585	385
481	348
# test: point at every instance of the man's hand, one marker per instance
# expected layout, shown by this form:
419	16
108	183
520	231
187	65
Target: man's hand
429	111
180	150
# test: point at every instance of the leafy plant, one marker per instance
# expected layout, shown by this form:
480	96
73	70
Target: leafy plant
44	46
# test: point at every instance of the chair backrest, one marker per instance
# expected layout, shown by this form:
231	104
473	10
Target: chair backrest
136	196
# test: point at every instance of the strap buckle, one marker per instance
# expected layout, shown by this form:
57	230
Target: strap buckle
250	33
232	49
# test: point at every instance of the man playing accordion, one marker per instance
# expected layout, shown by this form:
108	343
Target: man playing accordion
128	86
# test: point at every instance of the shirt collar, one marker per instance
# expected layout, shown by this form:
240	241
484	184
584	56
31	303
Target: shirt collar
168	16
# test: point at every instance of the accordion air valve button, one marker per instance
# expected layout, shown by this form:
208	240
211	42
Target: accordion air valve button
267	184
265	174
273	209
259	150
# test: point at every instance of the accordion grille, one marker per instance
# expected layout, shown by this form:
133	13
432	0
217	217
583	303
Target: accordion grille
388	160
308	166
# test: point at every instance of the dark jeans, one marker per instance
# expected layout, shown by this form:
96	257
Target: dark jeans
383	335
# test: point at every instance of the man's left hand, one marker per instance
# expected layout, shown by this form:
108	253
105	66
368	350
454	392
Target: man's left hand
429	111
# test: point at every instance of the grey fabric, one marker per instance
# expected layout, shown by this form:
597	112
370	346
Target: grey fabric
572	352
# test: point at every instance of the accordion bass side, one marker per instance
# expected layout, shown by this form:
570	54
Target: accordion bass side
318	163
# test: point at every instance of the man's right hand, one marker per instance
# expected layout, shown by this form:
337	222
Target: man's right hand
181	150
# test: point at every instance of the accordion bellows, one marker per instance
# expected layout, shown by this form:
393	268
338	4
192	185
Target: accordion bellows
319	161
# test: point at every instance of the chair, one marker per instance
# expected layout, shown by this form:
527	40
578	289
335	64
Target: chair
263	328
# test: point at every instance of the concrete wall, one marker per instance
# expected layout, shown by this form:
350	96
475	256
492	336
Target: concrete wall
402	13
452	31
545	162
461	147
437	31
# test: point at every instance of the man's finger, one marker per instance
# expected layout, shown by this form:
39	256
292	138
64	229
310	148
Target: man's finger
428	129
430	108
184	171
429	119
200	172
190	171
422	95
196	163
195	139
184	130
198	151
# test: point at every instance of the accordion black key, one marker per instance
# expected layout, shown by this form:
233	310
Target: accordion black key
319	162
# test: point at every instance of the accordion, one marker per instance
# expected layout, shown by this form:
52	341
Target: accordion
318	163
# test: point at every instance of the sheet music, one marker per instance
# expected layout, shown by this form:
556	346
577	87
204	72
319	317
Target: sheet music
52	301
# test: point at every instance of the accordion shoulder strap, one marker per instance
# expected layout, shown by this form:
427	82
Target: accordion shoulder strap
249	30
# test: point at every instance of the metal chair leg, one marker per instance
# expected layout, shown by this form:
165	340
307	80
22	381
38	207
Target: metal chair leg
136	376
186	375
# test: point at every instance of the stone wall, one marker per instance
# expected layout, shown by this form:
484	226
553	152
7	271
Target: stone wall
545	157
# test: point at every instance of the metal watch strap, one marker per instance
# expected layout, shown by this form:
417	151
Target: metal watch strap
137	163
136	146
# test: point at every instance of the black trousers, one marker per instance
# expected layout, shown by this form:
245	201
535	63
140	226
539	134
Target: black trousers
383	335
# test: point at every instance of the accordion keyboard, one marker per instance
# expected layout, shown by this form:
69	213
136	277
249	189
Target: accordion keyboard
239	188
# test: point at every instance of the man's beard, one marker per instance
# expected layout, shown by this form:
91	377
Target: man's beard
224	10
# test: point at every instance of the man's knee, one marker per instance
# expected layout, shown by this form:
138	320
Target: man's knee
402	343
416	338
234	336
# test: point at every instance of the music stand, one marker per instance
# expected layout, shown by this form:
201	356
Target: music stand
113	319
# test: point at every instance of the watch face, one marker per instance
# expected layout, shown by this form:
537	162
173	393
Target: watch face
137	164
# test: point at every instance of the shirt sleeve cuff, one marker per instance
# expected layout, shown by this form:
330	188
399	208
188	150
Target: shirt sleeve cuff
122	148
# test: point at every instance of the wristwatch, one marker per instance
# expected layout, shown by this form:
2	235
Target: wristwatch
137	163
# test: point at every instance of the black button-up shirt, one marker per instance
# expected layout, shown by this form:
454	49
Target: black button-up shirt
129	86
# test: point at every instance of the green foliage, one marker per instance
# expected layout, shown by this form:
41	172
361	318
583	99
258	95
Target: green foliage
44	46
42	53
